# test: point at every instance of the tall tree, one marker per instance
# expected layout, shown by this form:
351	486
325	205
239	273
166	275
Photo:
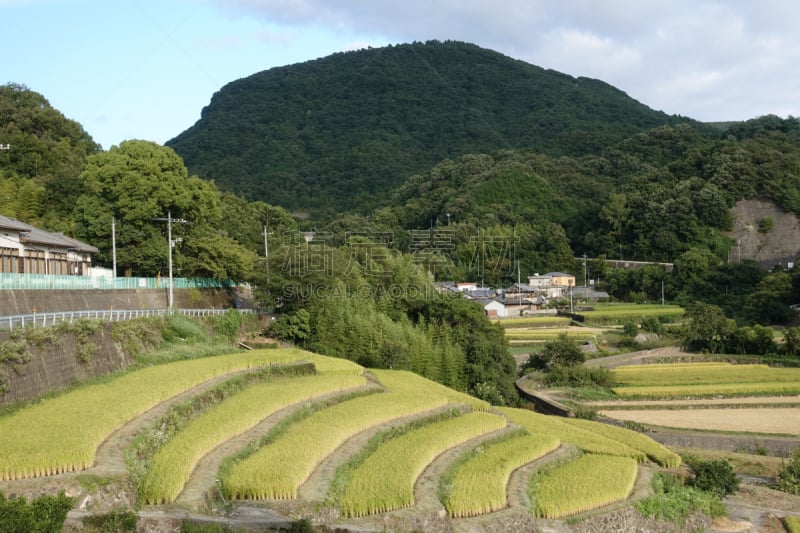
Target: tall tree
141	184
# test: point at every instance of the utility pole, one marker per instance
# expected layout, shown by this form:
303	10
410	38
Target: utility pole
170	244
114	249
266	250
585	273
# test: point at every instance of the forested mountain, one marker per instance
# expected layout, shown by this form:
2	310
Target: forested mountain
338	133
47	152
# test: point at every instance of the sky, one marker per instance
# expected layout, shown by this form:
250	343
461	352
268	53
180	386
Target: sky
144	69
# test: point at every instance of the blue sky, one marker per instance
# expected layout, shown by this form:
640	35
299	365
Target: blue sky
144	69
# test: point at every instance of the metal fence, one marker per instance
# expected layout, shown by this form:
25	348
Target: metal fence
37	320
45	281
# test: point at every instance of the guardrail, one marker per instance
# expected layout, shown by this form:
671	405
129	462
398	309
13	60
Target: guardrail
38	320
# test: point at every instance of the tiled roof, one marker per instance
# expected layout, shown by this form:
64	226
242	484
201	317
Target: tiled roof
35	235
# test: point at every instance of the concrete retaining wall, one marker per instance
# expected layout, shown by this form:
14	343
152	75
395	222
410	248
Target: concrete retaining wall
23	302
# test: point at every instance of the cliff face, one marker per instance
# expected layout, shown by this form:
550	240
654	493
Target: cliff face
764	233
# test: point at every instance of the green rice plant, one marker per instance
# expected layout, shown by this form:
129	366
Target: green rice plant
478	484
792	524
174	462
61	434
545	335
405	382
579	437
618	313
589	482
655	451
551	321
277	470
385	480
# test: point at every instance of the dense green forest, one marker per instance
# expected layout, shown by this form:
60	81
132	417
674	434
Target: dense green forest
414	163
340	132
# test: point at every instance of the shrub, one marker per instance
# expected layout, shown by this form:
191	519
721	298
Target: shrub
673	501
789	478
630	328
45	514
653	325
562	352
716	476
579	376
228	324
179	328
111	522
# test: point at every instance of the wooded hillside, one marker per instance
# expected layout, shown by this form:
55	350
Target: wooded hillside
338	133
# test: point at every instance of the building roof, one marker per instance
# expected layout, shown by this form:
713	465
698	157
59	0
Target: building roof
523	287
558	275
34	235
483	293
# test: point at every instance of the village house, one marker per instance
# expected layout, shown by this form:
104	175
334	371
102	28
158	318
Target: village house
25	249
553	285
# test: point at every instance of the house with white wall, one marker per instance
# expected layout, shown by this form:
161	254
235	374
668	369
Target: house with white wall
25	249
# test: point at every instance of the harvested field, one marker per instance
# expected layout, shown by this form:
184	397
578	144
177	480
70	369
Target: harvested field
774	420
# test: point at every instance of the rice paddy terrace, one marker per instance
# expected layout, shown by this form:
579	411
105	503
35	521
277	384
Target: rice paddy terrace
265	437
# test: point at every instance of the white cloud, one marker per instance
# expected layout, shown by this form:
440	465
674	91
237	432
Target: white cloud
708	59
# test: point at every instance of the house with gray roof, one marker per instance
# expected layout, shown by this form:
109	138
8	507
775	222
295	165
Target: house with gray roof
26	249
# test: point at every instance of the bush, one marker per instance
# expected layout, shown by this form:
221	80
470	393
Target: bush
673	501
562	352
112	522
228	324
789	478
45	514
630	328
579	376
653	325
715	476
179	328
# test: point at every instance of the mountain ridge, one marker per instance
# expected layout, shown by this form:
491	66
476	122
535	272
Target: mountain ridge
338	133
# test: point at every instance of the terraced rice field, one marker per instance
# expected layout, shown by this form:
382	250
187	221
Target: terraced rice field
32	439
704	380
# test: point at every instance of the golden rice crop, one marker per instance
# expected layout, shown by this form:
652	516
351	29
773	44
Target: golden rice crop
589	482
718	389
385	480
174	462
479	484
277	470
405	382
61	434
702	373
583	439
657	452
323	363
